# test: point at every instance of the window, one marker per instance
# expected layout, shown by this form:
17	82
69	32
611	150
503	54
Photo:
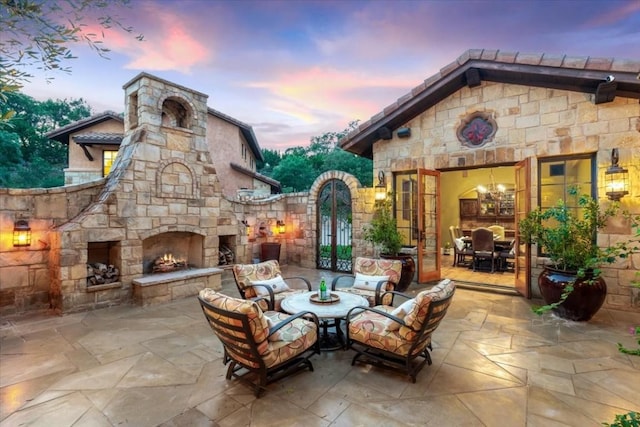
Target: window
556	175
406	206
108	157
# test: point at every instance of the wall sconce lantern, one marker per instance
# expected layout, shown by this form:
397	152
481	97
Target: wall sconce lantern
21	233
616	179
281	226
381	187
247	226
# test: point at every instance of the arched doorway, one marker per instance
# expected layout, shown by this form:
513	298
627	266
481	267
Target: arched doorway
334	227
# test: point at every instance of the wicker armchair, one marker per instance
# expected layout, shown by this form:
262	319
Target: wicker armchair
269	344
399	338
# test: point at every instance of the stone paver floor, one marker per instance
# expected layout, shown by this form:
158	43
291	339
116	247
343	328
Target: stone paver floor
495	364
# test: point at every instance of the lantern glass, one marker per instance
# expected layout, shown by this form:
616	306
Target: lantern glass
21	233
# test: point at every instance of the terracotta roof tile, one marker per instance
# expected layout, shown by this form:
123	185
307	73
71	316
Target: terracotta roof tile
552	60
578	62
391	107
489	54
448	69
418	89
626	65
529	58
506	57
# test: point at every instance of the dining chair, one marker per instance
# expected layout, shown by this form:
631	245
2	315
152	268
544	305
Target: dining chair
483	247
460	249
498	231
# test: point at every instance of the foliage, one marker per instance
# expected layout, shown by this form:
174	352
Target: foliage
299	167
295	173
39	33
383	230
25	146
630	419
342	252
570	241
636	352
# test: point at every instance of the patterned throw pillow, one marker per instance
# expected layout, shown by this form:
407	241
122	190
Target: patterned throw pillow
400	312
368	283
277	284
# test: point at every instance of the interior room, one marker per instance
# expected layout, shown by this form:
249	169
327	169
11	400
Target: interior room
471	199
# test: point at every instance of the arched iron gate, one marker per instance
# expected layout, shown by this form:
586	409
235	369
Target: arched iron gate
334	227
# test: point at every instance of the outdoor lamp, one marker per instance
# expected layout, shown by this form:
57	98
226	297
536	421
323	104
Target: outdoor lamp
281	227
616	179
21	233
381	187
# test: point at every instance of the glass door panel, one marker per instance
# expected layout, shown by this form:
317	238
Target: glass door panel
428	225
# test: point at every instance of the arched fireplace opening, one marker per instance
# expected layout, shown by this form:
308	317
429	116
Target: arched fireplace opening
172	251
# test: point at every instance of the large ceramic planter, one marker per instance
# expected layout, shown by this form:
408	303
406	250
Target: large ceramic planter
585	300
408	269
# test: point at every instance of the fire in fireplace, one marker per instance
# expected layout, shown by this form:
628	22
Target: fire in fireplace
172	251
168	262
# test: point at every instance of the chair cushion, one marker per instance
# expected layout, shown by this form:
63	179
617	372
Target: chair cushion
282	295
244	274
419	310
277	284
369	295
369	283
379	267
295	338
257	321
369	328
400	312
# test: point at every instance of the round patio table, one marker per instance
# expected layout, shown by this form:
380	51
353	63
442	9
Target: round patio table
330	314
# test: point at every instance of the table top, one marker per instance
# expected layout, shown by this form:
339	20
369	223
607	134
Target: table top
300	302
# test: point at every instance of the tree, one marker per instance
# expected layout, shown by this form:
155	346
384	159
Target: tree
272	159
39	32
295	173
26	148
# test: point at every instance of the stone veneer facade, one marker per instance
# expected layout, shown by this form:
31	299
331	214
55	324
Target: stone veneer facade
162	183
532	123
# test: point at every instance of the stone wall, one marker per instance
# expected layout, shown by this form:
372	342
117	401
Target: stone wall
25	271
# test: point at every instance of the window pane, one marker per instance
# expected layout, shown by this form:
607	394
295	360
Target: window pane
108	157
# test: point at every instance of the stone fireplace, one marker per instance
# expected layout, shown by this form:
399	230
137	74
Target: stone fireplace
160	218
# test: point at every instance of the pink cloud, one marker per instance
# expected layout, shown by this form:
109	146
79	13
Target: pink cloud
305	93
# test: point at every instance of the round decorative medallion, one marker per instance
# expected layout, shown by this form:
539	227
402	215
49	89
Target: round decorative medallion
476	129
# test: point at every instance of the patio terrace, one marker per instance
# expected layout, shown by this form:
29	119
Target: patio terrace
495	363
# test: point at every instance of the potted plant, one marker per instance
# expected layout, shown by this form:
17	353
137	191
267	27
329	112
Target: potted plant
571	283
446	250
383	233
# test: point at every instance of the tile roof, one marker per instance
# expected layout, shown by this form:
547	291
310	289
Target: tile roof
98	138
574	73
62	133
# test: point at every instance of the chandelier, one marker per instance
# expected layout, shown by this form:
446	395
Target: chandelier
492	191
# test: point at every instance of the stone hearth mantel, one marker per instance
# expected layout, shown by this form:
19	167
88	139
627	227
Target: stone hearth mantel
164	287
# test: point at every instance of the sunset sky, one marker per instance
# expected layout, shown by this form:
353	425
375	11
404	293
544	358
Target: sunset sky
294	69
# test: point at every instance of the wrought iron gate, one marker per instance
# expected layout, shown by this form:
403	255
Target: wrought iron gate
334	227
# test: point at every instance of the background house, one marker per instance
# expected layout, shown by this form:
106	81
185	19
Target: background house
94	142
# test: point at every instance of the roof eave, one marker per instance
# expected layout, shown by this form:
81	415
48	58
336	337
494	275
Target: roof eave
438	87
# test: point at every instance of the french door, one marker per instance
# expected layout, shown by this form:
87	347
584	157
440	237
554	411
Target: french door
428	225
522	207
